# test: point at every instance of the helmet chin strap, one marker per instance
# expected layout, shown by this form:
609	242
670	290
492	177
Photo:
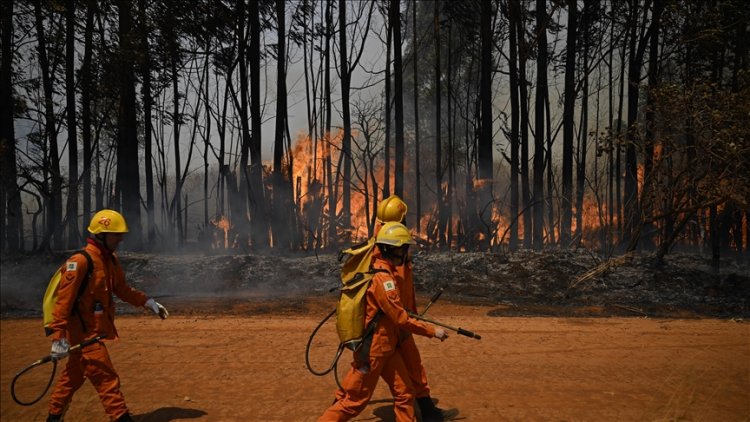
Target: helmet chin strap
101	238
388	253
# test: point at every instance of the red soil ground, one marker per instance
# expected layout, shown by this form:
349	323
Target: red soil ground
248	364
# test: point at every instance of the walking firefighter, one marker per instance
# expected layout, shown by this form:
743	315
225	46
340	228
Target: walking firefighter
84	309
393	209
386	316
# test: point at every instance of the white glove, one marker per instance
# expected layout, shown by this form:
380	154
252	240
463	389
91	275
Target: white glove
157	308
60	349
441	334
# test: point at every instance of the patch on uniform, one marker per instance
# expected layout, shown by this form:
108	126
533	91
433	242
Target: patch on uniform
389	285
71	266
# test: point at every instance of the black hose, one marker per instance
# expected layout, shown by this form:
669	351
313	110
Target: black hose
32	366
307	350
42	361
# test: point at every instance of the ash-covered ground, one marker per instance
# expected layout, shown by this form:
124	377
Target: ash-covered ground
528	283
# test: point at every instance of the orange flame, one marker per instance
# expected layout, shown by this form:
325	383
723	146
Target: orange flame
309	172
311	189
225	225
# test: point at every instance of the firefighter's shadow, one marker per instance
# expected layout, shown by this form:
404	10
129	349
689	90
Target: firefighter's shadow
385	413
167	414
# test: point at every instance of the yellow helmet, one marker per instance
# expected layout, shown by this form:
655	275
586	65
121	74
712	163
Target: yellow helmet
394	234
108	221
391	208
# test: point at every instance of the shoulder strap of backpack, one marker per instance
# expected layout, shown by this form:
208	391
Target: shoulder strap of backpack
373	271
364	349
84	283
89	271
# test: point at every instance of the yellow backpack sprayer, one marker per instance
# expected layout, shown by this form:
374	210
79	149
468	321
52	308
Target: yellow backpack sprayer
48	305
356	277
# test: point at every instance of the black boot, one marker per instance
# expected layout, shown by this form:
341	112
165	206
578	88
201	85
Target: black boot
430	412
125	418
54	418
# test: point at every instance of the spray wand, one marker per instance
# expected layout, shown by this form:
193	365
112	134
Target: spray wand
433	299
459	330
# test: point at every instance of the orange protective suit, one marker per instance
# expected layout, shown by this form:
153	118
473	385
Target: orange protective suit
77	322
407	346
382	358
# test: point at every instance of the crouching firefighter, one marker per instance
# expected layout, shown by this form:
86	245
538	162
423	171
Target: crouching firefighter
378	356
90	312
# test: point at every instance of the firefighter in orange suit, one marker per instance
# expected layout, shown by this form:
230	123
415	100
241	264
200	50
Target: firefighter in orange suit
379	356
394	209
92	314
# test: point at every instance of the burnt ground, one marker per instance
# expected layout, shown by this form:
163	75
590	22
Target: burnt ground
523	283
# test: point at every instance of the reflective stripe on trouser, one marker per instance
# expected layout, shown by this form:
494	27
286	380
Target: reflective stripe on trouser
92	363
359	387
413	362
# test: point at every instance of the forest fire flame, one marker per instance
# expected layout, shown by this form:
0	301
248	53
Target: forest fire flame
223	223
309	172
310	176
463	230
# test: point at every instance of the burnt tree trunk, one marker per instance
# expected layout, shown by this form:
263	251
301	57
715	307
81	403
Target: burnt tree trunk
128	174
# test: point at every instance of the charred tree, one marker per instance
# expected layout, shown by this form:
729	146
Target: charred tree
281	187
441	208
52	183
128	175
619	133
484	150
388	103
588	23
515	111
649	139
86	120
74	234
346	143
11	233
332	193
256	195
450	164
568	125
245	186
636	50
610	138
207	131
395	18
145	70
173	52
541	92
417	162
523	93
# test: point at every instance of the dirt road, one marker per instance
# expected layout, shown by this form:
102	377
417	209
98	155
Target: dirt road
241	366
